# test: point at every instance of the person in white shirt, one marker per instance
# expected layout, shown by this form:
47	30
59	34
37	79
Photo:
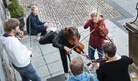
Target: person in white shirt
18	54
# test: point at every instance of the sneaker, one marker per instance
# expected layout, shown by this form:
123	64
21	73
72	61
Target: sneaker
66	75
38	36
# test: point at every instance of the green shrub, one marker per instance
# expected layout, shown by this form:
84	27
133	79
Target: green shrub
16	10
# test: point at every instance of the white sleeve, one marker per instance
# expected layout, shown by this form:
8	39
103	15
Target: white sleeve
21	53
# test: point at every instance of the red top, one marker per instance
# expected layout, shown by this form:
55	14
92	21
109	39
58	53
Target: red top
95	38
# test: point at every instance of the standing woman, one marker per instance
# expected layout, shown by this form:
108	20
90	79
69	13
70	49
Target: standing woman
64	42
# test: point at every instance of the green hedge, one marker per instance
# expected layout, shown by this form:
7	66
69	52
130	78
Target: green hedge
16	10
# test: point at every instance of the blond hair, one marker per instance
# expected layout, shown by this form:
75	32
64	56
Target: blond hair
95	14
76	65
10	24
33	7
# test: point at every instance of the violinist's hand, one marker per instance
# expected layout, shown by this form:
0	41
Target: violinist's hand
95	65
67	49
83	54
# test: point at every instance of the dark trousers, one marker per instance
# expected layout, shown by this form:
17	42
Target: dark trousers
48	38
42	30
63	55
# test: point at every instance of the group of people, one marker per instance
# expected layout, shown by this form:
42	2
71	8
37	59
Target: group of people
113	69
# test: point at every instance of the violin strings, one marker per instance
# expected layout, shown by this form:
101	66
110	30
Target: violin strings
83	38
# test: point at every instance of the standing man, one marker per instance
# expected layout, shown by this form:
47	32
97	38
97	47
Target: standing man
34	25
115	68
96	39
18	54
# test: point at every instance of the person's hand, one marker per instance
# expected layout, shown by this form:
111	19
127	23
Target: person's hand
67	49
83	54
95	65
47	24
30	49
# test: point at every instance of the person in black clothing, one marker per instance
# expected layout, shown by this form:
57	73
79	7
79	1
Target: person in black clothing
63	41
35	24
115	68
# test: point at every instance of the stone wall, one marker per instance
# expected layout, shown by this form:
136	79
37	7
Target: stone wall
133	45
6	70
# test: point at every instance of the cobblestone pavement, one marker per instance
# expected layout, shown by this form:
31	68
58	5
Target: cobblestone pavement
69	12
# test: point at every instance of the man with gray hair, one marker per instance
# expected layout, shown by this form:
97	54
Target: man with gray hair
76	66
115	68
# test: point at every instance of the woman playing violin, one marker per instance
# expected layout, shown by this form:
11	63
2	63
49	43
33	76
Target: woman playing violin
96	38
64	41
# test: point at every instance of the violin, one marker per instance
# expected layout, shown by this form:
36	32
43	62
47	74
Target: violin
99	25
99	60
20	34
79	47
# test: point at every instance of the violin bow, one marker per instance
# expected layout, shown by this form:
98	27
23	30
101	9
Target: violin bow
98	8
102	29
83	38
30	31
30	35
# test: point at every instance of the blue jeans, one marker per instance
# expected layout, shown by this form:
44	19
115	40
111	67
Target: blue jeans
28	73
91	52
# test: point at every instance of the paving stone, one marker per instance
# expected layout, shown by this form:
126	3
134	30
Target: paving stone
48	48
59	73
120	39
128	10
36	52
45	78
38	62
81	29
52	57
42	71
55	67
